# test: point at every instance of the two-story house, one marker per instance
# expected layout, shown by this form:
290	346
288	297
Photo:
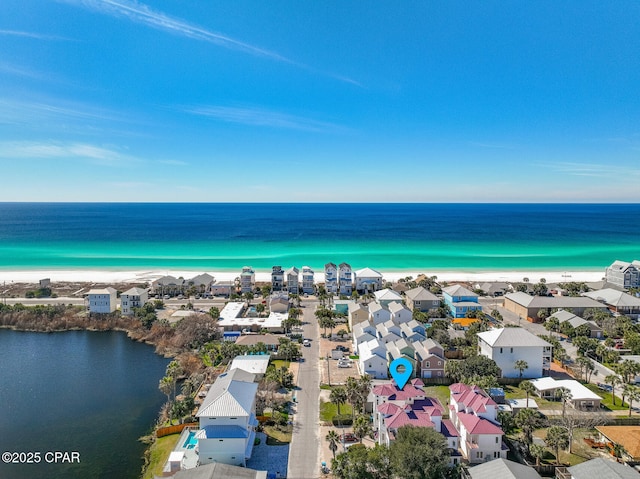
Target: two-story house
132	298
460	300
421	299
508	345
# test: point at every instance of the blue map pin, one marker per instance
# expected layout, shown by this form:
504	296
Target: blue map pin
406	369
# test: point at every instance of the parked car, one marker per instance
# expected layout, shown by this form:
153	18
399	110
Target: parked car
348	437
344	349
344	364
306	342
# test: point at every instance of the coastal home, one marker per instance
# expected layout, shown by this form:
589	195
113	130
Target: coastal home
460	300
422	299
582	398
378	313
220	471
279	302
133	298
617	301
474	415
494	289
576	321
247	280
368	280
624	275
501	469
399	313
270	341
201	283
597	468
373	359
528	307
227	419
277	278
345	279
252	363
626	436
331	278
387	296
308	283
430	358
223	288
508	345
357	313
168	285
102	301
292	280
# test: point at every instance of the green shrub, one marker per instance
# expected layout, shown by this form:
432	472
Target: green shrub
342	420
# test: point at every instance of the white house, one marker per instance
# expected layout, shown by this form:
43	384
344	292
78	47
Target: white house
368	280
378	313
292	280
252	363
508	345
581	397
387	296
227	419
623	274
373	359
247	279
331	278
399	313
102	300
308	284
133	298
345	279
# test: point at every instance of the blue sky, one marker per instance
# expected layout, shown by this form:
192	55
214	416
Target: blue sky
190	100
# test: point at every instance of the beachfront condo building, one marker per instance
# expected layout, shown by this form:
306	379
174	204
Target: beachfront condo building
102	301
308	283
168	285
345	279
368	280
624	275
460	300
292	280
506	346
247	279
277	278
331	278
131	299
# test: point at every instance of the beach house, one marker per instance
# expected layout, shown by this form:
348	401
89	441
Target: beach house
277	278
387	296
368	280
102	301
501	469
624	275
617	301
528	307
508	345
292	284
247	279
460	300
421	299
308	283
132	298
331	278
201	283
576	321
345	279
227	419
168	285
582	398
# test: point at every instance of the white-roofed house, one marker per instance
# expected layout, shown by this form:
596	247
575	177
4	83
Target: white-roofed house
576	321
508	345
368	280
102	301
413	331
373	359
378	313
345	279
581	397
308	283
331	278
133	298
421	299
252	363
617	301
227	419
460	300
624	275
387	296
399	313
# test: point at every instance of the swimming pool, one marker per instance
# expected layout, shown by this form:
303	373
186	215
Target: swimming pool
191	441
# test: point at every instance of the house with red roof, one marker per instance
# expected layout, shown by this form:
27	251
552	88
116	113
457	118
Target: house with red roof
474	415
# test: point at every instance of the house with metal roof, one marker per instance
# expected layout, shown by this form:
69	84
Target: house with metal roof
582	398
617	301
597	468
421	299
501	469
623	274
508	345
368	280
227	419
527	306
460	300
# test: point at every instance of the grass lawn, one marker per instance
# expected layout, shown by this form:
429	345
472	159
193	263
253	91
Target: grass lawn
328	410
606	399
514	392
277	437
159	454
278	363
580	451
439	392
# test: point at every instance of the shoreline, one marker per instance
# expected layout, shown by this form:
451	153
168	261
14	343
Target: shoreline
147	276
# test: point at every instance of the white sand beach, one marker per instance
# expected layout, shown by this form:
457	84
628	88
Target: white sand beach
125	276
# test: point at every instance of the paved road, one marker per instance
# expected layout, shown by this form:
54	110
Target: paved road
44	301
304	448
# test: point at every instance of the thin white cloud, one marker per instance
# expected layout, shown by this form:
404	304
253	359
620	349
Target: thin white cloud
53	150
594	169
37	36
139	13
262	117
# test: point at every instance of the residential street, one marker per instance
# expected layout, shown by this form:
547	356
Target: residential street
305	443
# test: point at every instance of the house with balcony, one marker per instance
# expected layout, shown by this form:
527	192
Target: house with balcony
308	283
133	298
617	301
247	280
508	345
421	299
102	301
345	279
227	419
460	300
528	307
624	275
201	283
331	278
387	296
368	280
168	285
430	360
277	278
292	277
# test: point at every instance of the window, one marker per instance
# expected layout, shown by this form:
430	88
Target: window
497	439
500	350
427	364
496	455
511	350
479	454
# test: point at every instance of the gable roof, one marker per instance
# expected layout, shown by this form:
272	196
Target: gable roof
108	290
478	425
528	301
503	469
203	278
232	394
602	469
457	290
421	294
397	307
614	297
218	470
368	273
509	337
387	295
134	292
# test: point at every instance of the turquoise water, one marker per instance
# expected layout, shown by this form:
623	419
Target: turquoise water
225	237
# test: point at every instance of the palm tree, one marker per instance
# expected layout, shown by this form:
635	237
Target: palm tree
338	396
613	380
528	388
633	393
538	452
528	420
564	395
361	427
333	439
557	438
521	365
354	396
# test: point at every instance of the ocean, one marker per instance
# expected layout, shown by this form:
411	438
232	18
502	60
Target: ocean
392	237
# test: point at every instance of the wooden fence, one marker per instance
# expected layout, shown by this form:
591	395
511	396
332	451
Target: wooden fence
167	430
